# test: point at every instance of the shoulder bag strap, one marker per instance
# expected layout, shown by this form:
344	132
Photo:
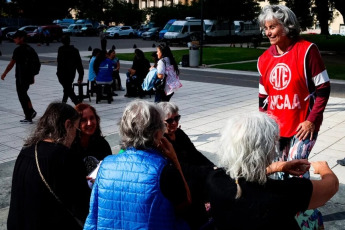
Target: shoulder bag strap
80	223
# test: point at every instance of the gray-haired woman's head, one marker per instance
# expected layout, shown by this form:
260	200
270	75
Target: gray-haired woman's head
285	17
248	145
140	122
168	108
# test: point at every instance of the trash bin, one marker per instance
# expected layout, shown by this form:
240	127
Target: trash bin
194	54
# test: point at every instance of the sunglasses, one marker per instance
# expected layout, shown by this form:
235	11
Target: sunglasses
171	120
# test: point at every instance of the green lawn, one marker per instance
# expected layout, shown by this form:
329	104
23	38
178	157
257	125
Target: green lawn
224	55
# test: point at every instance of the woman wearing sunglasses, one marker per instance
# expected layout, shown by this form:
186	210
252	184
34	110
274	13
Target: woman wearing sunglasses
194	164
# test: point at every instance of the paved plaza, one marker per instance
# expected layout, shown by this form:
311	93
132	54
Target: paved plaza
204	108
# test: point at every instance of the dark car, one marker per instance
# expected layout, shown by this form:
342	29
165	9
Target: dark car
7	29
89	30
151	34
40	35
27	29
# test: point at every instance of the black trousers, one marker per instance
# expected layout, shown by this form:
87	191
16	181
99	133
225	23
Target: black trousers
68	91
24	99
104	44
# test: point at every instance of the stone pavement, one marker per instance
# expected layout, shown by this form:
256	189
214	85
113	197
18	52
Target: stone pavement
204	108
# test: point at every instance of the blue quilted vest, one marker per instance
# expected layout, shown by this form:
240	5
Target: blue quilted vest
127	194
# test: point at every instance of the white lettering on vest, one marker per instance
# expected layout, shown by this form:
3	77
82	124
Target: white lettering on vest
280	76
284	102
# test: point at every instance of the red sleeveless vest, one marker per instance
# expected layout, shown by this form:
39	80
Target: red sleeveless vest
285	82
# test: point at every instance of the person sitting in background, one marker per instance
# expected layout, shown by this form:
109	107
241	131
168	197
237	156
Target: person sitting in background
151	76
103	67
136	74
46	162
90	142
116	74
241	194
148	168
92	74
195	166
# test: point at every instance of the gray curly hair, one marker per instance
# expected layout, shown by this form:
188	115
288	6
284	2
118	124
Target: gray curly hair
285	17
247	145
139	123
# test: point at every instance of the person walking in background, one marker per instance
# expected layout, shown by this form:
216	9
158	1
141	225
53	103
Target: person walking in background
22	57
49	189
68	62
103	38
166	58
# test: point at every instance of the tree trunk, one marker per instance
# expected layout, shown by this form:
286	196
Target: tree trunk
322	11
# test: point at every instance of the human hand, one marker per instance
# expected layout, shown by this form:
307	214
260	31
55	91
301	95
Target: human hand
319	166
304	129
296	167
167	149
92	180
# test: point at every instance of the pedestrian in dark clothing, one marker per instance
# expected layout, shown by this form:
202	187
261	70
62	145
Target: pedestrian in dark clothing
68	62
103	39
24	75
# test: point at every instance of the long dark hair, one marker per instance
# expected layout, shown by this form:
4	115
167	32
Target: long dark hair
52	124
81	107
101	57
166	52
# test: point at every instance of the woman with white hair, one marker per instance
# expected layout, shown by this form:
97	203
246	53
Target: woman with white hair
294	84
242	196
142	187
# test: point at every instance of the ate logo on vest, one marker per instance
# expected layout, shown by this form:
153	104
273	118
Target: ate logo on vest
280	76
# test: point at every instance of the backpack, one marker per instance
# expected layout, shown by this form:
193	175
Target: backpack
34	64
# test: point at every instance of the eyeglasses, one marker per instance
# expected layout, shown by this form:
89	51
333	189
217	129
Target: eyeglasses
77	128
171	120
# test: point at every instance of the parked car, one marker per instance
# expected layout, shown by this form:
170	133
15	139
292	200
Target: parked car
142	30
151	34
55	33
27	29
89	30
7	29
75	29
119	31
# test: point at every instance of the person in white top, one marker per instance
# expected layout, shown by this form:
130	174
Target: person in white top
166	58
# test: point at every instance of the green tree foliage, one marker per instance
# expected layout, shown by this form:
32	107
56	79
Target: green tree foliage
123	12
161	15
340	6
42	11
231	10
302	9
323	14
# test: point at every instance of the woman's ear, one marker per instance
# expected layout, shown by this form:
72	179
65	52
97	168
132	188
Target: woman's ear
68	124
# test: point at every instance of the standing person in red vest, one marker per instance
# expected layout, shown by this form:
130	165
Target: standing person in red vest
294	84
294	87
